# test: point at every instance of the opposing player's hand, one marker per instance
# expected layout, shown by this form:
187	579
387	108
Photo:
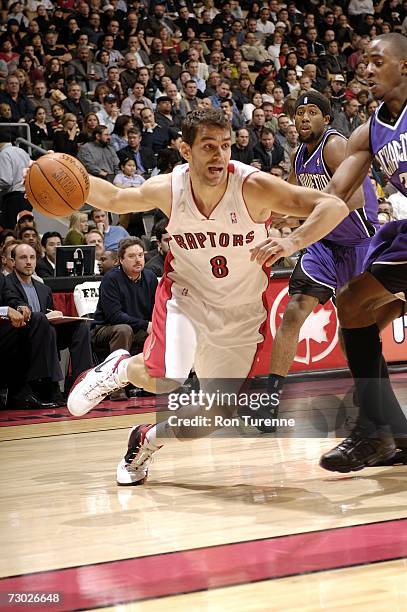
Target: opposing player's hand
271	250
280	222
15	317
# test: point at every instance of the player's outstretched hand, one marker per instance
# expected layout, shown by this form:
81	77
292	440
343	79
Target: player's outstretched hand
25	171
271	250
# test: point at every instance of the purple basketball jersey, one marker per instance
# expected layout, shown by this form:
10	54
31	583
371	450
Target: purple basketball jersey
388	143
313	172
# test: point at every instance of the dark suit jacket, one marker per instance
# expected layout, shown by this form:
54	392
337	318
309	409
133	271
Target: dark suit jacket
16	294
44	268
147	156
7	298
277	156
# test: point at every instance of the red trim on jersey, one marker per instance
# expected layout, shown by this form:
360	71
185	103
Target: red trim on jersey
263	326
231	167
155	345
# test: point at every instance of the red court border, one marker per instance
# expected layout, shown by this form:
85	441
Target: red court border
160	575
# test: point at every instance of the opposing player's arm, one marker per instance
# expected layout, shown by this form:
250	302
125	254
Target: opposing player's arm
265	194
285	221
154	193
335	152
354	168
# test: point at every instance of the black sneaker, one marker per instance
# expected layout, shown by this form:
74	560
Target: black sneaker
357	452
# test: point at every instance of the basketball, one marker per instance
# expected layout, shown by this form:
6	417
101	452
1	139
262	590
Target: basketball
57	184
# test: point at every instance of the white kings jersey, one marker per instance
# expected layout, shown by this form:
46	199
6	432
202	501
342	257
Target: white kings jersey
210	257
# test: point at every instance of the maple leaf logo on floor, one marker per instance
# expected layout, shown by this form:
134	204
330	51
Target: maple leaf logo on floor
320	328
314	329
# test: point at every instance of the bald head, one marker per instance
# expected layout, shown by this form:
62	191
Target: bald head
397	43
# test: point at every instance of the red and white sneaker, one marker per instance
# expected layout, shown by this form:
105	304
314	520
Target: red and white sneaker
133	468
93	385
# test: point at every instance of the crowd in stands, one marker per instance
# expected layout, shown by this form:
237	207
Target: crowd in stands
111	81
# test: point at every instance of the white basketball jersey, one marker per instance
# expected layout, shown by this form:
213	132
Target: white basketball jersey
211	256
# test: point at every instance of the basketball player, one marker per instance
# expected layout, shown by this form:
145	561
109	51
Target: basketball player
331	262
208	310
378	295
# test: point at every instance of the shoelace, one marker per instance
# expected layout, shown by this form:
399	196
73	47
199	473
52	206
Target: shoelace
102	387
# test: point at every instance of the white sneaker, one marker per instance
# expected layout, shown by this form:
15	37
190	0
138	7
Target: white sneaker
93	385
133	468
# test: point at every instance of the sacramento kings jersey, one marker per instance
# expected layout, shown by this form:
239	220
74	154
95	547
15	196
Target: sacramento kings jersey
388	143
210	257
313	172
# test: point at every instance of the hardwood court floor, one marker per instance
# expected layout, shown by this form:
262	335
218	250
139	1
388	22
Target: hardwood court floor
223	523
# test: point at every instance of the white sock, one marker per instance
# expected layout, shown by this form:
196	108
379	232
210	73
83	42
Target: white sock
122	370
160	434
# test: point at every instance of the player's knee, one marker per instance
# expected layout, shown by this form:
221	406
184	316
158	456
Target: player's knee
298	309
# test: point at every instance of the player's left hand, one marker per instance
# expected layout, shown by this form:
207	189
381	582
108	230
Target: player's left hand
271	250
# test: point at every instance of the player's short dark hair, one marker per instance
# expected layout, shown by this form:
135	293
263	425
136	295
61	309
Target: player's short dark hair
160	229
211	117
126	243
48	235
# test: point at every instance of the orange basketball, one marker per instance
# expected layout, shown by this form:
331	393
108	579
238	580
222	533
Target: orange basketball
57	184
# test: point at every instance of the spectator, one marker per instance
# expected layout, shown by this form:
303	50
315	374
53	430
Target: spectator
90	122
38	298
126	300
255	102
128	76
41	131
113	82
83	70
137	95
153	135
156	263
348	120
283	122
39	99
57	111
143	156
118	137
190	100
163	113
45	267
7	262
98	156
95	238
109	113
112	234
51	49
290	146
21	107
78	228
128	177
334	61
27	350
25	218
13	160
108	261
75	103
7	236
268	151
256	126
29	235
235	119
67	139
338	93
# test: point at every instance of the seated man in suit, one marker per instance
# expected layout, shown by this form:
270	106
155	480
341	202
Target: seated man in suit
143	156
37	297
28	352
45	267
126	301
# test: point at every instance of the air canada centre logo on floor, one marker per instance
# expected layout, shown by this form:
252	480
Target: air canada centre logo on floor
318	335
